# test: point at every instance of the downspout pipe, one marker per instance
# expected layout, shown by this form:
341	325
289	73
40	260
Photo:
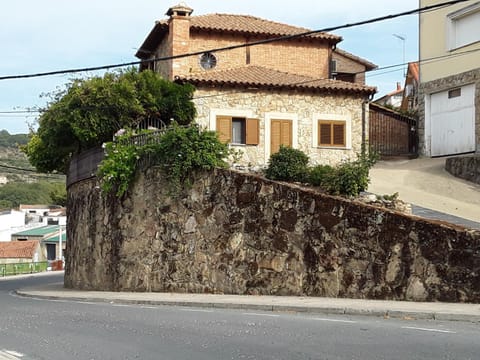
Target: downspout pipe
365	109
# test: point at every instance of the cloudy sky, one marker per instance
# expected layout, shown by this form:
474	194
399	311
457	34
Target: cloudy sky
47	35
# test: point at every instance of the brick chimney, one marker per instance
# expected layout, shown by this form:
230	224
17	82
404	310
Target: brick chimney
178	38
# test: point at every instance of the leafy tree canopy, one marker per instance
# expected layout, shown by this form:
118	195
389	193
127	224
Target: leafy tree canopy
89	111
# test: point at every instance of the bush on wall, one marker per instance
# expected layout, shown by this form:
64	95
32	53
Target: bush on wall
287	164
180	151
347	179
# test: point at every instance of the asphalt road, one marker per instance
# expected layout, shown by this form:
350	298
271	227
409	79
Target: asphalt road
33	329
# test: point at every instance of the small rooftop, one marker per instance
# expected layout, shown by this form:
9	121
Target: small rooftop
39	231
18	249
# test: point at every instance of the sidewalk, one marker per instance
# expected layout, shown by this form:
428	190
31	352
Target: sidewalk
394	309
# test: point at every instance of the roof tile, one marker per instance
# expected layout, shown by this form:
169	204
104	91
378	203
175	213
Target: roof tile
259	76
18	249
252	25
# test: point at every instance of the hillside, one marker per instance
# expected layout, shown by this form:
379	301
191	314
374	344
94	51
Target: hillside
19	181
14	165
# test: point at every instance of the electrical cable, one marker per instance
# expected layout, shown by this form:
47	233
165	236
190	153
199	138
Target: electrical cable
227	48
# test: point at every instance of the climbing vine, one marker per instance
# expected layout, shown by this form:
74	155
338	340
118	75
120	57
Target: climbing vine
179	151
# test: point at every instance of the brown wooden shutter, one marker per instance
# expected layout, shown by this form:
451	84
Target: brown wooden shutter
338	134
224	128
324	133
276	129
286	133
253	132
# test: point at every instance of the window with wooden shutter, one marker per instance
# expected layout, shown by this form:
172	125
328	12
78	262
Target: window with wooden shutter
253	132
332	133
281	134
224	128
237	130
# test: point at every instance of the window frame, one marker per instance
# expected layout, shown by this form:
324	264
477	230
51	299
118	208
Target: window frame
250	128
453	19
332	124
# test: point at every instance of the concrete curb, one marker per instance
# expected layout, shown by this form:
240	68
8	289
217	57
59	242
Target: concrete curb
386	313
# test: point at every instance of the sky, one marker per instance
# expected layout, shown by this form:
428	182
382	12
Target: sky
48	35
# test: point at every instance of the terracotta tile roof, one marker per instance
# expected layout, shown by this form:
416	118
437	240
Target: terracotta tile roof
230	23
247	24
18	249
369	65
413	70
262	77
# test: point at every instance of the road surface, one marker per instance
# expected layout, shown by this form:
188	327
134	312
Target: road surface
32	329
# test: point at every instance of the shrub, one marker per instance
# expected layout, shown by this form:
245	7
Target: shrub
352	177
117	169
287	164
180	151
183	150
320	175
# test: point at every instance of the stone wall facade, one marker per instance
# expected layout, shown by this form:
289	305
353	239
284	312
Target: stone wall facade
236	233
450	82
303	109
464	167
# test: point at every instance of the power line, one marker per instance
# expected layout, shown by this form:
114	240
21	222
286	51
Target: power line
19	111
17	168
389	68
227	48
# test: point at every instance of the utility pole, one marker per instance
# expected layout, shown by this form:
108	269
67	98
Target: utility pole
403	39
60	251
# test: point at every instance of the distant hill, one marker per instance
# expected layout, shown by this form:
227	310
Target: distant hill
7	140
14	165
19	181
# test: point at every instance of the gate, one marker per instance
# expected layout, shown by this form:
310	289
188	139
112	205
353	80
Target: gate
392	133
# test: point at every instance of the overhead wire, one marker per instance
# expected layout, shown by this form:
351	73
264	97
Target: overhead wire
232	47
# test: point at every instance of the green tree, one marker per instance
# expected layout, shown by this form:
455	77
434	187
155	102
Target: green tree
89	111
58	194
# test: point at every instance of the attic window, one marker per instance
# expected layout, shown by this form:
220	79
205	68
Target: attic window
208	61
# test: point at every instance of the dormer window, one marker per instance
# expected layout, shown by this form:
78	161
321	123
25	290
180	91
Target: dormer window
208	61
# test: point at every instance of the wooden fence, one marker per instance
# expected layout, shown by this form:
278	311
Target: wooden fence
391	133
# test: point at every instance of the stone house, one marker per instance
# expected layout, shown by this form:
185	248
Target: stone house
449	92
260	96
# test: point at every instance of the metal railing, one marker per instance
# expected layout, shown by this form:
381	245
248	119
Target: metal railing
85	165
23	268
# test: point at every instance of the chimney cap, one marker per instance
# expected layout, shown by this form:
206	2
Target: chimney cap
181	9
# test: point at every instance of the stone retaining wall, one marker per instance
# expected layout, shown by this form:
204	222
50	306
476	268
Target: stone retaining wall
241	234
464	167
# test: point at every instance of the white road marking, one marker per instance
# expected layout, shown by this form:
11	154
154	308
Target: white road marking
335	320
10	355
427	329
14	353
196	310
260	314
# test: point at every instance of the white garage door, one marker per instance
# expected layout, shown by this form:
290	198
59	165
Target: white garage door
452	121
